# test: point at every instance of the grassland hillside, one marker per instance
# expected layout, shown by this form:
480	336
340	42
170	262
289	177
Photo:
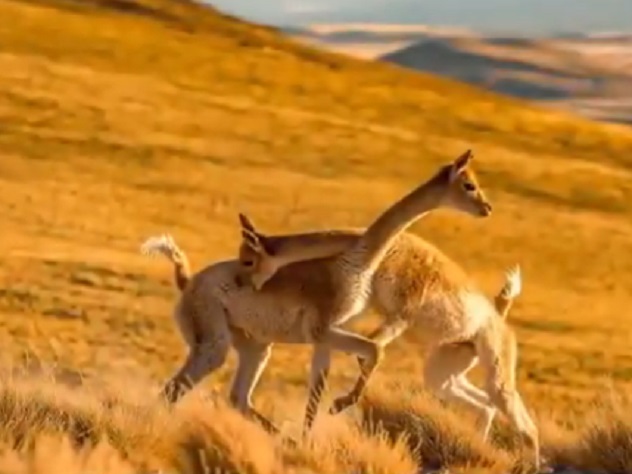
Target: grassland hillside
120	119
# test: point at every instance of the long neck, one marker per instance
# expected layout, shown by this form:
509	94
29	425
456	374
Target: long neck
311	245
377	239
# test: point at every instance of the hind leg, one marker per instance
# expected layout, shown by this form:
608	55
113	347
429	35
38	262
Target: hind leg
460	359
253	358
445	372
208	338
202	360
335	338
482	397
502	391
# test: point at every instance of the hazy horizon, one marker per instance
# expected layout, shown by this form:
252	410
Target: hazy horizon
521	17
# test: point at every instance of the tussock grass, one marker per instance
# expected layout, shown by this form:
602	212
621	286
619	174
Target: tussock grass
600	440
86	428
56	454
47	426
437	436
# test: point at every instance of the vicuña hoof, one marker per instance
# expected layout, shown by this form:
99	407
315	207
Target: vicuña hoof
341	404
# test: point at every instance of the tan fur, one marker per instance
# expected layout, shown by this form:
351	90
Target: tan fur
304	301
417	285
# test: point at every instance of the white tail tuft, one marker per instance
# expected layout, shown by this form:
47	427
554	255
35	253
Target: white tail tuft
513	283
160	244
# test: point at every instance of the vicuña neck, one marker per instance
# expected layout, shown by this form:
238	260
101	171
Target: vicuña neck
310	245
376	241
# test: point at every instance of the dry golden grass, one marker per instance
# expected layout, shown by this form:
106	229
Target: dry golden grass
48	427
117	425
598	440
116	125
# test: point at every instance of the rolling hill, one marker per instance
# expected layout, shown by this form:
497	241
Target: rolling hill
121	119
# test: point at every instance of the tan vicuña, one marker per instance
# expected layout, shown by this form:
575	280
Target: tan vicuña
303	302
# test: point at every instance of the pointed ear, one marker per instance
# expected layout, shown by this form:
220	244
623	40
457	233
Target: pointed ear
251	240
460	163
249	233
246	223
255	240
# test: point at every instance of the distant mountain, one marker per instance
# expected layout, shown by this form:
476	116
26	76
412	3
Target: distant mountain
522	17
588	74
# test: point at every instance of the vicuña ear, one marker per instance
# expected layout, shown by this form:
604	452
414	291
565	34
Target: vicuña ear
246	223
251	240
460	163
252	237
248	232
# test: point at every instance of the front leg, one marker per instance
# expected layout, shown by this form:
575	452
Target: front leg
381	338
321	360
345	341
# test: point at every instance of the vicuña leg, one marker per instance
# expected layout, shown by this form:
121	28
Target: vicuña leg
207	336
321	361
338	339
202	360
445	372
253	358
502	392
382	336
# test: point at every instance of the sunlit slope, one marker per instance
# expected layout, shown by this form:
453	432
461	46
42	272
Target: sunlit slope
118	122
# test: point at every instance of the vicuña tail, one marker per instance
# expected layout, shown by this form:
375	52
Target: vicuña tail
509	292
508	351
165	245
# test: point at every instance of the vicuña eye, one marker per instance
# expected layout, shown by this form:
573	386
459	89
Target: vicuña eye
248	263
469	187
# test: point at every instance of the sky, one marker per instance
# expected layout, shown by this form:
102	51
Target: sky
519	16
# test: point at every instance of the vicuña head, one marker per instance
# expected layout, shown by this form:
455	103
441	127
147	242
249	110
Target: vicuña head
459	188
454	186
256	257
